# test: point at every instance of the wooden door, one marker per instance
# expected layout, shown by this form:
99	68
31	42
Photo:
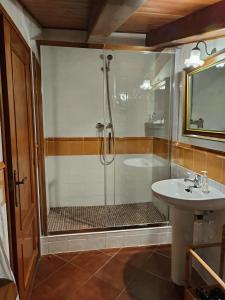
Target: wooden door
17	101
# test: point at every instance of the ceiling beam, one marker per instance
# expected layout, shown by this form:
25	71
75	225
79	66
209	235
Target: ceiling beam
108	16
208	19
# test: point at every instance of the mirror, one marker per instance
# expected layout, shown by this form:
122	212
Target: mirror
205	99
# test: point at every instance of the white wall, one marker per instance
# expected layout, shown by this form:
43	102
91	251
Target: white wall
72	84
74	96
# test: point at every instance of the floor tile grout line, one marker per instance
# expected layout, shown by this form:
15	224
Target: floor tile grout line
93	275
110	257
74	265
101	250
108	282
140	269
158	276
123	290
55	271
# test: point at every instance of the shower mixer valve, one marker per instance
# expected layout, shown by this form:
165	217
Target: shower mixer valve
100	127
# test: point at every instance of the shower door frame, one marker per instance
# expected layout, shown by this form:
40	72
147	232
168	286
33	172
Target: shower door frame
43	200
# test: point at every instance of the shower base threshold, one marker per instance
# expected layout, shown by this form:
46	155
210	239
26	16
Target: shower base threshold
94	218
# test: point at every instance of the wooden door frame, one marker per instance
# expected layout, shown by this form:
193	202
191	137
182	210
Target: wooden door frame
40	145
6	143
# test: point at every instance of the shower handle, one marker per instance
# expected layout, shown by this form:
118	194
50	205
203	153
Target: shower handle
109	141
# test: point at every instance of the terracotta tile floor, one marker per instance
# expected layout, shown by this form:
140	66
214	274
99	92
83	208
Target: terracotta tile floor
140	273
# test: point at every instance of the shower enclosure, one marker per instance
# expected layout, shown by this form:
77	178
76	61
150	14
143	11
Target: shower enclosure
107	123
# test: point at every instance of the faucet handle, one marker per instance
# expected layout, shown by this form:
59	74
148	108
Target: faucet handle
198	180
198	177
190	175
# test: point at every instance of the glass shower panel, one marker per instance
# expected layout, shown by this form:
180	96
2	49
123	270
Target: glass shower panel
140	85
107	129
73	85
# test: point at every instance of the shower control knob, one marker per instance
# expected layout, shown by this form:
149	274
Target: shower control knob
99	126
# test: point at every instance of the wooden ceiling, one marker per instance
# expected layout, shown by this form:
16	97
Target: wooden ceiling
102	17
75	14
156	13
60	14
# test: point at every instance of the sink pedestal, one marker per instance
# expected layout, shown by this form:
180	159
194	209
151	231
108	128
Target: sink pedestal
182	236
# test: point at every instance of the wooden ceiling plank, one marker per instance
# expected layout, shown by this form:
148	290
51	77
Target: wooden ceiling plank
210	18
110	16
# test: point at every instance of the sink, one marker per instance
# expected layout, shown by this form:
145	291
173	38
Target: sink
141	162
175	192
183	204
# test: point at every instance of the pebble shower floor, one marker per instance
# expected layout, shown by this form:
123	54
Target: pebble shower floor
90	217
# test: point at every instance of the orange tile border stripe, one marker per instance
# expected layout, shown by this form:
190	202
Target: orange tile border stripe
91	145
199	159
189	156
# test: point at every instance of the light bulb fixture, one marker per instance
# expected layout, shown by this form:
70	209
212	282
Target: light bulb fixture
195	57
220	65
146	85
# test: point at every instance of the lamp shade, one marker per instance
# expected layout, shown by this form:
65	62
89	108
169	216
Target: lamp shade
194	60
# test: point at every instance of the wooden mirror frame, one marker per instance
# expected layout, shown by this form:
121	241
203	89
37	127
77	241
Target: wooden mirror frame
200	133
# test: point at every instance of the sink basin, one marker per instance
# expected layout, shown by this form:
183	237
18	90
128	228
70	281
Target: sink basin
172	191
140	162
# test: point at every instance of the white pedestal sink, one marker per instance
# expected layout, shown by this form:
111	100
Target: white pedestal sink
183	204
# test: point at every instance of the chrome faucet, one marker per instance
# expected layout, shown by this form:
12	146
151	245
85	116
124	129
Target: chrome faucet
197	180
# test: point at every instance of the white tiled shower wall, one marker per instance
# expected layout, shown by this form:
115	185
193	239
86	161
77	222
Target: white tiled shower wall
73	93
73	97
79	180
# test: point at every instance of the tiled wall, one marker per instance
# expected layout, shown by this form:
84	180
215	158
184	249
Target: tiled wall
102	240
161	147
91	146
69	176
200	159
74	101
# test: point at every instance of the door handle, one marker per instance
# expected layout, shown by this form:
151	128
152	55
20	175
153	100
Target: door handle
15	189
15	184
19	182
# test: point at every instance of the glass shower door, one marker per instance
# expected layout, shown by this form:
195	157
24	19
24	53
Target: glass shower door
140	90
73	88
